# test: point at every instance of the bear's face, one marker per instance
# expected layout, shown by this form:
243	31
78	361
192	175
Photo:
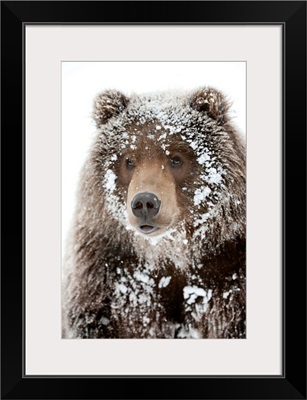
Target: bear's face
163	160
153	172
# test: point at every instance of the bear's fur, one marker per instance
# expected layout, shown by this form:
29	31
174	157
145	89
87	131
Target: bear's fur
172	264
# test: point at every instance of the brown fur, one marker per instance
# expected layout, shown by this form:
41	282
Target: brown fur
187	278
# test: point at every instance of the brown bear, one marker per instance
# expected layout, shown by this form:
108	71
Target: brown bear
157	248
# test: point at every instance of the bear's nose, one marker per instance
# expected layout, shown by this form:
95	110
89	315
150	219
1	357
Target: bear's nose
145	205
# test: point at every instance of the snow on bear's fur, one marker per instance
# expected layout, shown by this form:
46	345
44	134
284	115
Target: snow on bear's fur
157	248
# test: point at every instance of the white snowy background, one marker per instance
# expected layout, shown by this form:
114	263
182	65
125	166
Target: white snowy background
82	81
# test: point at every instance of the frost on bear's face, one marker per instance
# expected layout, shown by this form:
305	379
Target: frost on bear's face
166	159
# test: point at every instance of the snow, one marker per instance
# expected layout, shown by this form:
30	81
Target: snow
163	136
122	288
226	294
214	176
141	277
109	182
164	281
143	299
200	195
191	293
201	220
105	321
113	203
132	298
203	158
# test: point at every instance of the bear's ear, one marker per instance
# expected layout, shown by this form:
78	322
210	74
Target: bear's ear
107	105
212	102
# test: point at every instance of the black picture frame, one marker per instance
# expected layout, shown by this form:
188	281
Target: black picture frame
291	15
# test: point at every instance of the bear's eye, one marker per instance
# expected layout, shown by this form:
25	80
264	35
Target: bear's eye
129	163
175	161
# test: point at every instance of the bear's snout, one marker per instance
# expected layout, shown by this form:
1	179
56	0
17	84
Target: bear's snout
151	199
145	206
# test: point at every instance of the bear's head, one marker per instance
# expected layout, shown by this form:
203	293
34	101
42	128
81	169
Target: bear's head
166	161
